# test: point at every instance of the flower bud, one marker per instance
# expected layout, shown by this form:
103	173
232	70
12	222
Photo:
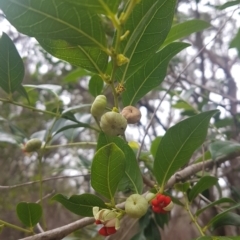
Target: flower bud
32	145
98	106
136	206
113	124
121	60
132	114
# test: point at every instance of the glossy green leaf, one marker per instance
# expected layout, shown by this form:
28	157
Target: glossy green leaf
55	19
29	213
203	184
100	6
90	58
151	74
80	204
178	145
182	187
148	26
235	43
217	202
132	179
216	221
184	29
229	218
107	170
154	145
220	149
151	231
95	85
75	75
11	66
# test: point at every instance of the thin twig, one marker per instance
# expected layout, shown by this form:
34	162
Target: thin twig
44	180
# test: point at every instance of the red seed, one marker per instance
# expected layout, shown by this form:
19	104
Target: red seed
167	200
111	230
160	198
155	202
103	231
156	209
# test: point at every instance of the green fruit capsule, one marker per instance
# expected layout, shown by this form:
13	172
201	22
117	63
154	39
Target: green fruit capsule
113	124
32	145
98	106
136	206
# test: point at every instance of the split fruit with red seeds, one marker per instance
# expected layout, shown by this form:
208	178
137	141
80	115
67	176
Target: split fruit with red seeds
162	204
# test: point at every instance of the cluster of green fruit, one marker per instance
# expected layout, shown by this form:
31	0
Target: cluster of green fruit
114	123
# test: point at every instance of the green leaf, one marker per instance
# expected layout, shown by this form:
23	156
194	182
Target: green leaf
80	204
154	145
206	156
220	201
203	184
161	219
228	4
184	29
21	90
75	75
182	187
148	25
76	108
216	221
11	65
95	85
90	58
229	218
55	19
29	213
63	125
151	74
56	89
100	6
220	149
235	43
8	138
132	179
152	232
107	170
214	238
178	145
183	105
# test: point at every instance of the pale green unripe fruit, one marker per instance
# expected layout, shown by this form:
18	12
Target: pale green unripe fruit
32	145
113	124
98	106
136	206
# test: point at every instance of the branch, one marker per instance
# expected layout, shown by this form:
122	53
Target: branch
61	232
